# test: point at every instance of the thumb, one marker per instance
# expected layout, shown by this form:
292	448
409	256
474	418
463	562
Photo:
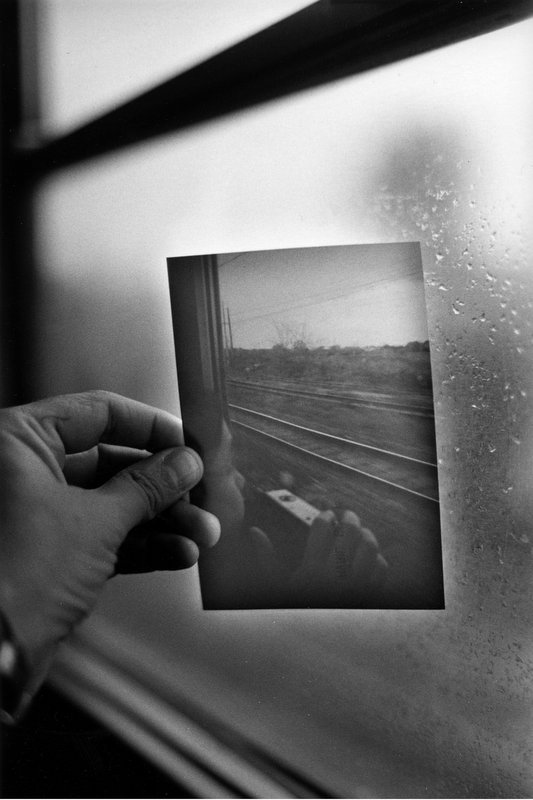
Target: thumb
145	489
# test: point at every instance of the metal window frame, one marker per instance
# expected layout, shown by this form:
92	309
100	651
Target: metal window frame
111	676
327	40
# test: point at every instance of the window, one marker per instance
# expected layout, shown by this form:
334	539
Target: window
434	149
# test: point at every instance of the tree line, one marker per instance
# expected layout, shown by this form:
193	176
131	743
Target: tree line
396	368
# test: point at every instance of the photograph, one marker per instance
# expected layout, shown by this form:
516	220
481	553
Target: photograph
305	384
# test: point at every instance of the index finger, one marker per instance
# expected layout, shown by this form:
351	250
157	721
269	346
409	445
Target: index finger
72	423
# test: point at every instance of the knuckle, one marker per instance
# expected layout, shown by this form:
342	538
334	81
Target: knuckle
101	395
152	490
92	400
95	397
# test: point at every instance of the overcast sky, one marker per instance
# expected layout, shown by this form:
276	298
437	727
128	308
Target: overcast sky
348	295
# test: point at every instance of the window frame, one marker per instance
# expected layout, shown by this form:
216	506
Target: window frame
325	41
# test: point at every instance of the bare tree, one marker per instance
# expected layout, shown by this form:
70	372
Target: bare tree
290	336
293	350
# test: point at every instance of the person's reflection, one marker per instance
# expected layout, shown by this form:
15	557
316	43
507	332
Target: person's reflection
341	565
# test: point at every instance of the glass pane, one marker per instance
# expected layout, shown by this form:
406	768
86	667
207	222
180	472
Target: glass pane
434	150
94	55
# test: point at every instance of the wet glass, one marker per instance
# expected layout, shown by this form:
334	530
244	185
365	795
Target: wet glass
434	150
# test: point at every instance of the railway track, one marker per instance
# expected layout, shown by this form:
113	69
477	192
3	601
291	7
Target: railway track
401	472
350	398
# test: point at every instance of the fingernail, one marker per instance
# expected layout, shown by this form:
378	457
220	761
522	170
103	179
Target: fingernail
186	464
212	524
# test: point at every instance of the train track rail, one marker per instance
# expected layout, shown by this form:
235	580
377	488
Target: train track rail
404	473
352	398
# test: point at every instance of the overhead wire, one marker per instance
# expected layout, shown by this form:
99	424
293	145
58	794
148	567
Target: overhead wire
318	299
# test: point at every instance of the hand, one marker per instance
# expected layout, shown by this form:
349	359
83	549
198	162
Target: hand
59	541
341	566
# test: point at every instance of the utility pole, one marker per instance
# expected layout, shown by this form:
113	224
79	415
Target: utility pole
224	331
230	331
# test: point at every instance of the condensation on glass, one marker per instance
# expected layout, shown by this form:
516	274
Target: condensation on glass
437	150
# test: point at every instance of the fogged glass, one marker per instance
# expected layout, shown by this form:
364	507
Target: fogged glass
94	55
434	150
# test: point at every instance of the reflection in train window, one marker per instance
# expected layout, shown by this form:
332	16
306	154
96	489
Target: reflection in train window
305	383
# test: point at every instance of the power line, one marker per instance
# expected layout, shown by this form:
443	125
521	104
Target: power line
223	263
319	298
